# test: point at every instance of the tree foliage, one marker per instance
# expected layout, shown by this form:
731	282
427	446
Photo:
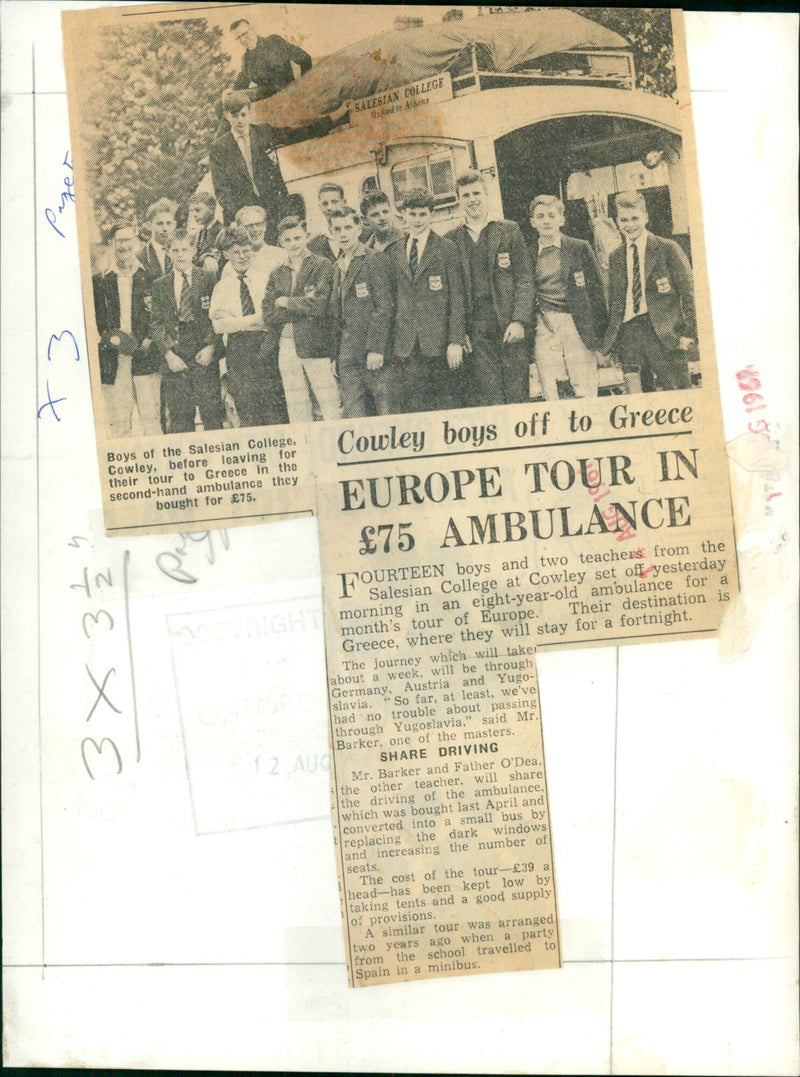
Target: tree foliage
649	30
150	115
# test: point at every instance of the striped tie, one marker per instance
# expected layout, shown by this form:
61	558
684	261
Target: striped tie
185	311
637	280
245	297
413	258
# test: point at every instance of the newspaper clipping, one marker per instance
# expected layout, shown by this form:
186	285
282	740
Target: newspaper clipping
445	288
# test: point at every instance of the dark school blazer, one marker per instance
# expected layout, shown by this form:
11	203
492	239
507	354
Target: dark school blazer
586	300
165	312
431	304
106	312
668	290
362	307
509	268
308	309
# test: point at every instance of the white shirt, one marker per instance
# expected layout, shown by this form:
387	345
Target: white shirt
125	290
421	242
344	260
264	260
640	243
227	296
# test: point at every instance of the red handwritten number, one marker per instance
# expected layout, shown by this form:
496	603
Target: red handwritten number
99	749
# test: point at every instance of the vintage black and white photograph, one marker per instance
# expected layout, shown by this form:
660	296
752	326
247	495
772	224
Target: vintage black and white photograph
290	222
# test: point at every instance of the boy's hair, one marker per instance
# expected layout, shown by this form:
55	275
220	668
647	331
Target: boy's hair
234	101
418	198
371	199
234	236
237	23
344	211
203	197
288	223
545	200
329	185
630	200
163	205
468	178
118	226
178	236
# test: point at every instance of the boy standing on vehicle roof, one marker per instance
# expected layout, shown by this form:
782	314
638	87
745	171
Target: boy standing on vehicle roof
362	310
499	291
570	305
652	321
430	331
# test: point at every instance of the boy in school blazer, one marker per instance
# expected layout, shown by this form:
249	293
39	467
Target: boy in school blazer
186	342
430	331
362	310
570	304
652	322
129	367
296	313
499	294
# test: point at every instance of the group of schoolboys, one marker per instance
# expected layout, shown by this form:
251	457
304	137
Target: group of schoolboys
367	319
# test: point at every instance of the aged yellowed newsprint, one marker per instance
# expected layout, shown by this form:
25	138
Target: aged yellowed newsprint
445	288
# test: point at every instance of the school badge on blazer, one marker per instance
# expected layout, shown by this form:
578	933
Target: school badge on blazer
435	284
309	291
362	291
205	301
580	280
504	260
663	285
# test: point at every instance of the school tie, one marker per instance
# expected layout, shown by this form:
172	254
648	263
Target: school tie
637	280
246	297
247	153
413	257
185	312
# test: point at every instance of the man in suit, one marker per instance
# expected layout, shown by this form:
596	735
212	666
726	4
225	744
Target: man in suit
570	305
236	311
376	212
296	311
204	231
154	256
499	291
129	372
186	342
362	311
267	61
244	166
652	322
430	331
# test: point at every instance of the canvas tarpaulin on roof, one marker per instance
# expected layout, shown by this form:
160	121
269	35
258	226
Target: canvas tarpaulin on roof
398	57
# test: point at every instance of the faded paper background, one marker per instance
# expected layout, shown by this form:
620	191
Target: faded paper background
672	797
